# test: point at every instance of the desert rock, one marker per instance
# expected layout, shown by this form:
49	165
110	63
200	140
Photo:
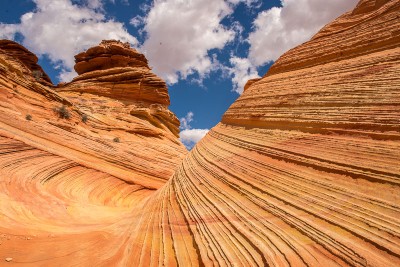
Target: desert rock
114	69
27	61
303	169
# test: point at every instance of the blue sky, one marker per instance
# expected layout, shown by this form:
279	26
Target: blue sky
205	49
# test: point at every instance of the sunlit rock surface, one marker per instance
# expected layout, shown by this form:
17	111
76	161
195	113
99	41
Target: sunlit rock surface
303	169
24	60
63	181
113	69
68	178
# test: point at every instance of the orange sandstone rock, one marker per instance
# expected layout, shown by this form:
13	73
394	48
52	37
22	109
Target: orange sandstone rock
149	149
250	82
27	61
303	169
109	54
67	188
115	70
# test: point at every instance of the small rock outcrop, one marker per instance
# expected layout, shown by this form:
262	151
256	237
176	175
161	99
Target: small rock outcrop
109	54
114	69
27	61
250	82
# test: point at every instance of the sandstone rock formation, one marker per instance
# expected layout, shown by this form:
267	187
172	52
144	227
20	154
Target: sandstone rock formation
26	61
65	179
303	169
115	70
149	150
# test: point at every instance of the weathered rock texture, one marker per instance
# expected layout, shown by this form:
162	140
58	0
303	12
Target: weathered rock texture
148	151
25	60
66	184
115	70
303	170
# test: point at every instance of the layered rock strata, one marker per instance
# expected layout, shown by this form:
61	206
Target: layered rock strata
113	69
303	170
135	142
74	164
25	61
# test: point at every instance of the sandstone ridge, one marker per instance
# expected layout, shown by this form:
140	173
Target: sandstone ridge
303	169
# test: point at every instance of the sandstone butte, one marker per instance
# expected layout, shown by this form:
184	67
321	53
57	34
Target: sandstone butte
303	169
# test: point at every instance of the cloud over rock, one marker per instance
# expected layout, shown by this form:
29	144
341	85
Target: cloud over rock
61	29
181	34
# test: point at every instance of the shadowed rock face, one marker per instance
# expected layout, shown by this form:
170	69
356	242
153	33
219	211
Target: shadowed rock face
303	169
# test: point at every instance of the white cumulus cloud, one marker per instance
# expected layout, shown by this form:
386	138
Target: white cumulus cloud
279	29
7	31
94	3
61	29
137	21
188	136
181	33
185	121
242	71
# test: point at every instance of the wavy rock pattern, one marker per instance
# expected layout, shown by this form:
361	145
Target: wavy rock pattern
67	189
25	61
303	169
148	151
